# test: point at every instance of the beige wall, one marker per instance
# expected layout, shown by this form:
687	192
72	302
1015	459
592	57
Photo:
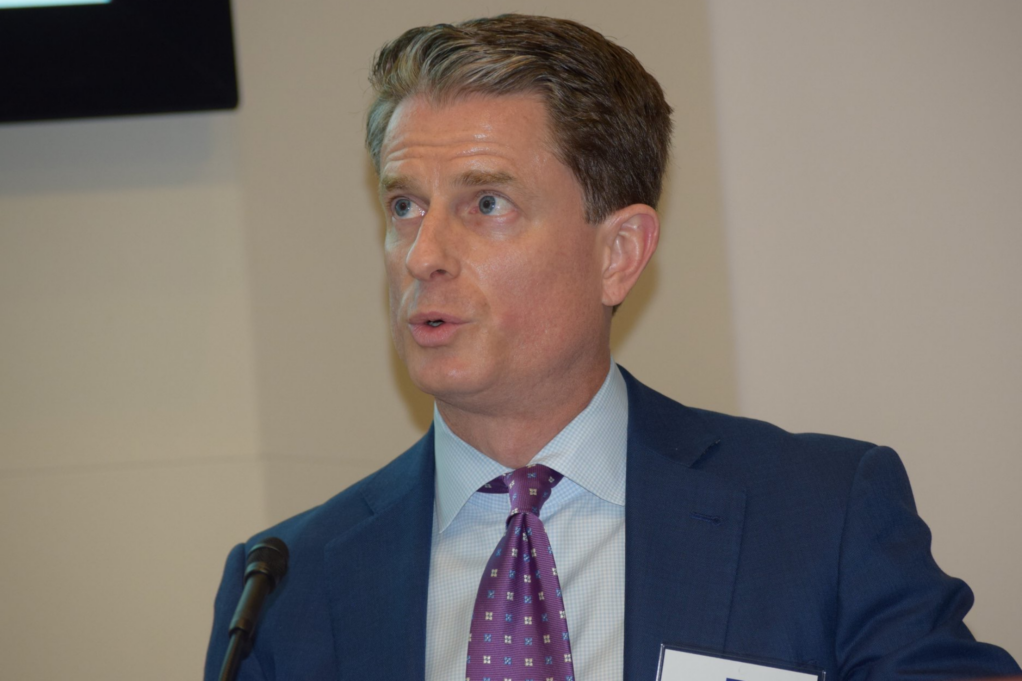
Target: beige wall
192	319
871	162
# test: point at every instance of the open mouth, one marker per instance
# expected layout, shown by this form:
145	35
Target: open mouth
433	319
433	328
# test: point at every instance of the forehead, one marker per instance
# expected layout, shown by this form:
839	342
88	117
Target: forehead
511	127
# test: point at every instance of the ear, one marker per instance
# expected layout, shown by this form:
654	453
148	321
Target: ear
630	236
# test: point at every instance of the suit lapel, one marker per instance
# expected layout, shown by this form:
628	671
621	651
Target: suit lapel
683	535
379	625
683	531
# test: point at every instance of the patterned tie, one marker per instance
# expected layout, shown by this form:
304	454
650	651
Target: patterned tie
518	631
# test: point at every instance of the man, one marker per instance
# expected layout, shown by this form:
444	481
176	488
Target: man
520	163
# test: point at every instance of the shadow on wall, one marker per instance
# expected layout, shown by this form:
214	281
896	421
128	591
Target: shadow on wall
117	153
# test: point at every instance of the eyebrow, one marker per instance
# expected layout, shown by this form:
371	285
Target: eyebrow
471	178
394	183
479	178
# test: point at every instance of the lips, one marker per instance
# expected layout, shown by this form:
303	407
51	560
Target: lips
434	318
433	328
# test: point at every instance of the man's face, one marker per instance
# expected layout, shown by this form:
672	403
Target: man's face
494	274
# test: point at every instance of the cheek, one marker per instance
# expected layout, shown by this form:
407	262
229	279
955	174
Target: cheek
541	293
394	264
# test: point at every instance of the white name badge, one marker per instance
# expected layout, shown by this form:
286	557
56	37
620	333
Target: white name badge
686	665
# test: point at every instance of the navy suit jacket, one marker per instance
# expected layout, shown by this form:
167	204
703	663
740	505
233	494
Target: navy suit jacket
740	538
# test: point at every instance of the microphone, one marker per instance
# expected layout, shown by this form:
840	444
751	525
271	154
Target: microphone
265	566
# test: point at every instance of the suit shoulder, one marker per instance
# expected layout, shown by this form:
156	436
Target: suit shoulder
741	448
758	451
764	436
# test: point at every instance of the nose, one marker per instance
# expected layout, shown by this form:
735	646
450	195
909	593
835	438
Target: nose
431	255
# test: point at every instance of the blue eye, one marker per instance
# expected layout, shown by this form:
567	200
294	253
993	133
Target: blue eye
487	204
492	205
403	207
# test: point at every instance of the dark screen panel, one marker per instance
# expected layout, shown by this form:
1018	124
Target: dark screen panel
123	58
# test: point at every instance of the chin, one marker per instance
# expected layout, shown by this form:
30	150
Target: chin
439	376
452	382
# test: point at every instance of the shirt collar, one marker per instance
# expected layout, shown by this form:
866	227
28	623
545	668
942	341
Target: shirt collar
590	451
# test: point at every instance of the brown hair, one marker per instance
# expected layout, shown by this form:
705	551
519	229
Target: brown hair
609	120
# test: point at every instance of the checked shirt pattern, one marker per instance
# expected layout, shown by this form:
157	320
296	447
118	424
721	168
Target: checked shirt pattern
519	631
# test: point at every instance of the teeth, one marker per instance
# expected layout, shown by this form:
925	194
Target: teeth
435	322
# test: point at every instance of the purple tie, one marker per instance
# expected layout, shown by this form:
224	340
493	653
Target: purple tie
518	631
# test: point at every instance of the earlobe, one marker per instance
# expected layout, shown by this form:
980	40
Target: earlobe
632	236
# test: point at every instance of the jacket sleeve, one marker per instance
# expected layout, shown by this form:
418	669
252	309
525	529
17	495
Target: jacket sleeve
899	615
223	610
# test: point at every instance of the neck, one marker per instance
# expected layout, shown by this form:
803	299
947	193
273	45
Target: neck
512	437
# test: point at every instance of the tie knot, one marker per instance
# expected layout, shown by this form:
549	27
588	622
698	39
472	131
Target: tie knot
527	488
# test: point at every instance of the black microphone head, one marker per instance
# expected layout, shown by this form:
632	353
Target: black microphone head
269	556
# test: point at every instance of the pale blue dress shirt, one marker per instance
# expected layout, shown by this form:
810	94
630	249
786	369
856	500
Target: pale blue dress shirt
584	518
